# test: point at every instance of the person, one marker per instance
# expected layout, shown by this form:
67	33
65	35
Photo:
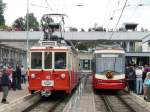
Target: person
23	74
131	78
139	81
14	80
9	73
146	69
127	78
18	77
146	85
5	86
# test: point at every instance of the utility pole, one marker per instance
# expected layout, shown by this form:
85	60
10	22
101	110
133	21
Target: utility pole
27	32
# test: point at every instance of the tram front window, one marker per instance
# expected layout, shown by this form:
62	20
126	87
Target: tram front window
48	60
113	63
36	60
60	60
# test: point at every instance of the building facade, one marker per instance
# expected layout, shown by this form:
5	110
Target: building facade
136	44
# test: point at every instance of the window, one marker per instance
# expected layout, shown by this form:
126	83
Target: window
36	60
113	62
48	60
60	60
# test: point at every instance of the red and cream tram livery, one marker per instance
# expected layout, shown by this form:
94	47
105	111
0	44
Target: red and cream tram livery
52	68
109	68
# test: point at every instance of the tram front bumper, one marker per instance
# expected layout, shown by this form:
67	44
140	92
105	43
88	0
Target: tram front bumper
117	85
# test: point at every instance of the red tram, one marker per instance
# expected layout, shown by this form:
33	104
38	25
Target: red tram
53	64
109	68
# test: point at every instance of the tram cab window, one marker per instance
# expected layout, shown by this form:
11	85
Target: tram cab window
60	60
113	62
36	60
47	60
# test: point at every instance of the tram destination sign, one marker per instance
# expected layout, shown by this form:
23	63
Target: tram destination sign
48	43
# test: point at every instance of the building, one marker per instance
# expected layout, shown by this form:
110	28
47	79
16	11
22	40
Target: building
135	43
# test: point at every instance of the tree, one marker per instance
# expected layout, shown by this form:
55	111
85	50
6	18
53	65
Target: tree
19	24
2	8
73	29
33	23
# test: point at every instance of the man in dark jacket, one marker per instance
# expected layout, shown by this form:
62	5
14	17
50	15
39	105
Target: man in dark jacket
5	86
131	78
18	77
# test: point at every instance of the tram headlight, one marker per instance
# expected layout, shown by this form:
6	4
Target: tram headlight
33	76
62	76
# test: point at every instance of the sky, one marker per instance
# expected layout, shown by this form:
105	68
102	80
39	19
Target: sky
92	13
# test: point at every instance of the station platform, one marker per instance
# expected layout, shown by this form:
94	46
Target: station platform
87	103
14	95
84	99
140	100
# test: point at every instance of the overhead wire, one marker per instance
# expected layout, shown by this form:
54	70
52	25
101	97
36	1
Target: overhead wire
48	5
105	12
118	20
111	16
38	5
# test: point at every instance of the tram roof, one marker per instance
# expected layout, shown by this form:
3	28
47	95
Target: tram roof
48	47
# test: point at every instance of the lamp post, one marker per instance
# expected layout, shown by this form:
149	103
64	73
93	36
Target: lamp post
27	32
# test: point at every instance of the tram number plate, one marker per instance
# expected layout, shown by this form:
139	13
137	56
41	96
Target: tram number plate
47	82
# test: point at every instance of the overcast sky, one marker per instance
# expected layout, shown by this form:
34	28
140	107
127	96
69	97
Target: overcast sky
92	12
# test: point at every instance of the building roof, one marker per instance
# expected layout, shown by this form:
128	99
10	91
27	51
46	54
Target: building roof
146	38
36	35
18	39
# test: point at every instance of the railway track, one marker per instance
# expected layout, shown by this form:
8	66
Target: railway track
116	103
54	103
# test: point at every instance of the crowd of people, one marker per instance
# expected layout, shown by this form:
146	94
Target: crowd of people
12	79
138	79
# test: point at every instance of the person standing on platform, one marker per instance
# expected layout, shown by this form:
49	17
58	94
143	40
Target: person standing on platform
14	80
18	77
5	86
139	81
146	69
23	75
9	73
131	78
146	85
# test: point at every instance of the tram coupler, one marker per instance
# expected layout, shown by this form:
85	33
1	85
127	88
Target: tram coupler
45	93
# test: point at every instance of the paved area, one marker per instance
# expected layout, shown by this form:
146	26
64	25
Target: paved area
83	99
14	95
87	99
140	100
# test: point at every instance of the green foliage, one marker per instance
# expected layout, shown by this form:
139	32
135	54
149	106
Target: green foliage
33	23
84	45
19	24
2	8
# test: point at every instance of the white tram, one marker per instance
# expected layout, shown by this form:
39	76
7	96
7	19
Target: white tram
109	68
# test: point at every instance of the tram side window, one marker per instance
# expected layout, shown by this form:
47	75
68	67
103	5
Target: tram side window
48	60
60	60
36	60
